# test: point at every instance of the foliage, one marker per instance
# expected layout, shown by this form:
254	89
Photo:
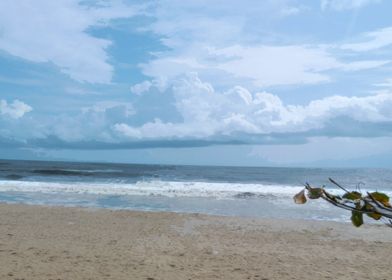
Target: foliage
376	205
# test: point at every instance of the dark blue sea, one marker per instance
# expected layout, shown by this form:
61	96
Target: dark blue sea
236	191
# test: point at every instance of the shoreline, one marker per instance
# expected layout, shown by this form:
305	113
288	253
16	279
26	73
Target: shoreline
57	242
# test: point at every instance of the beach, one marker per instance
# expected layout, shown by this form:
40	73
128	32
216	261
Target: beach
42	242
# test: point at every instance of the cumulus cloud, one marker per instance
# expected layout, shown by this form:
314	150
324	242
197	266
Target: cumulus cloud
236	115
341	5
57	32
15	110
208	113
91	124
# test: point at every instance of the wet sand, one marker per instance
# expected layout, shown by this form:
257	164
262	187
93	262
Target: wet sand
72	243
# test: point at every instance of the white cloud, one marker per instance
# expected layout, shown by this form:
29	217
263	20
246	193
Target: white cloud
260	65
288	11
125	108
157	130
57	32
235	51
284	65
196	31
208	113
141	87
277	65
363	65
15	110
91	124
341	5
372	40
386	84
216	21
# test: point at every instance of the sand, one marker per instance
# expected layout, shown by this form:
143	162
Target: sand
71	243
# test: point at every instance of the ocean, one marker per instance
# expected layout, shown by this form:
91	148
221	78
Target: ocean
265	192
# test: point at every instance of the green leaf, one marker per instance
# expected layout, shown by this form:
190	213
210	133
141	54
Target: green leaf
314	193
356	218
352	195
381	197
374	215
300	198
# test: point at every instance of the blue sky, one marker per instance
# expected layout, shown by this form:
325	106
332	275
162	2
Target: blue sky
278	83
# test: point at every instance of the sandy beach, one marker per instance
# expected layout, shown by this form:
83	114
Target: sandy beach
73	243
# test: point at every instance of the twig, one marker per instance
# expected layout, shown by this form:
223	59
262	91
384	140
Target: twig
333	182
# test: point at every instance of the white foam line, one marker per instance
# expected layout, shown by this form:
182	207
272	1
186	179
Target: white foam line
164	188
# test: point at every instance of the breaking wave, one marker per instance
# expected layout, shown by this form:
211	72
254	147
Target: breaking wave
157	188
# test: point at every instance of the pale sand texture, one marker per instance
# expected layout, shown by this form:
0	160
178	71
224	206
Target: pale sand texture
71	243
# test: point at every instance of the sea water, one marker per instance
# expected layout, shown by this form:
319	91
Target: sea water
237	191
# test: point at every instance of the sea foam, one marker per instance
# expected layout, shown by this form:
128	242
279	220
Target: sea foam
156	187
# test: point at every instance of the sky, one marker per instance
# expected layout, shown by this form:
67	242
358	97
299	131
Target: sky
247	83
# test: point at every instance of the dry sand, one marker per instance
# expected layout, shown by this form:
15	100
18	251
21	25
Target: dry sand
72	243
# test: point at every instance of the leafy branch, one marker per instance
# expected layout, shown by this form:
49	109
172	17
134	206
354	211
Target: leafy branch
375	204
